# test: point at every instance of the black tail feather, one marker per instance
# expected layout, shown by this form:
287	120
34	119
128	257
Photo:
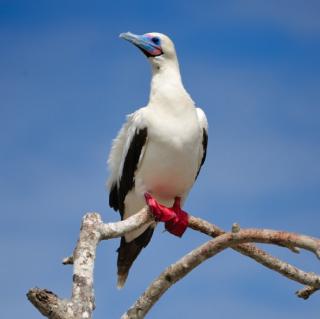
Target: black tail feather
128	252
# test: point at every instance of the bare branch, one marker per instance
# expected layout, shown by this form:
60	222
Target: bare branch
306	292
93	230
81	305
118	229
187	263
68	260
259	255
49	304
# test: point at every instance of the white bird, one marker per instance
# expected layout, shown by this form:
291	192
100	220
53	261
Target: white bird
158	153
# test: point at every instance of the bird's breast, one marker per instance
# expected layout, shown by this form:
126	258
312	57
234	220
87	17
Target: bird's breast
170	161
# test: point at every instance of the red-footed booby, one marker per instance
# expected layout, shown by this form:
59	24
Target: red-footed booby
158	153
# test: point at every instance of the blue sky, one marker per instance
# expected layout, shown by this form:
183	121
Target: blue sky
66	83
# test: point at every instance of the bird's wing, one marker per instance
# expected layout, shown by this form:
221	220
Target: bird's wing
125	156
204	126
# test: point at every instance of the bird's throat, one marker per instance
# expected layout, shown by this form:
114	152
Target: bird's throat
166	84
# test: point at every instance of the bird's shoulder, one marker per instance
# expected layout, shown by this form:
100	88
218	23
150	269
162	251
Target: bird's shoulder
135	122
202	118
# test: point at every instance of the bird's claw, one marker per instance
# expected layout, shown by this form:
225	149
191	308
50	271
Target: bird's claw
175	219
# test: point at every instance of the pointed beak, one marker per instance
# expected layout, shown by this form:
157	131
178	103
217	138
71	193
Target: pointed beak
144	43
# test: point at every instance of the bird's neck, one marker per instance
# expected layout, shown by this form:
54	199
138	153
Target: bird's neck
166	85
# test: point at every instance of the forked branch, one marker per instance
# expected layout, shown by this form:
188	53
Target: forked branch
93	230
211	248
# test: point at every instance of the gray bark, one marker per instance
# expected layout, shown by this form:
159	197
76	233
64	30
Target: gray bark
81	304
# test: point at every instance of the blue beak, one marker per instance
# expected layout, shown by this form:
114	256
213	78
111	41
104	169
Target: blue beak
144	43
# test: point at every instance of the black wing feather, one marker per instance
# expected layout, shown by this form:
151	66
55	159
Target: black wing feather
204	145
120	190
113	197
128	252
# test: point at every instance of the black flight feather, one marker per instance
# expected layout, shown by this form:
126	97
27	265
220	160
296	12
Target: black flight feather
204	146
120	189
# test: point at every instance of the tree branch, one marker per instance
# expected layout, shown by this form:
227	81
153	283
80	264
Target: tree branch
48	303
93	230
187	263
306	292
259	255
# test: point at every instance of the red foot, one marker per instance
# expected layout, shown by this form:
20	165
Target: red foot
175	219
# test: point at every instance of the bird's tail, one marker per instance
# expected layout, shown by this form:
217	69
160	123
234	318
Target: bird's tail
128	252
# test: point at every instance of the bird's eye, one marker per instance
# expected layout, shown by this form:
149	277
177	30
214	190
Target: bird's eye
155	40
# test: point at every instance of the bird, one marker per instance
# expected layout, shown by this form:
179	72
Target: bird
158	153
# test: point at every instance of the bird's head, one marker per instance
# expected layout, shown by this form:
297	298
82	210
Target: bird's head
156	46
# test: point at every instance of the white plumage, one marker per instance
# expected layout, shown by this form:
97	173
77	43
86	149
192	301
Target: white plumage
174	146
